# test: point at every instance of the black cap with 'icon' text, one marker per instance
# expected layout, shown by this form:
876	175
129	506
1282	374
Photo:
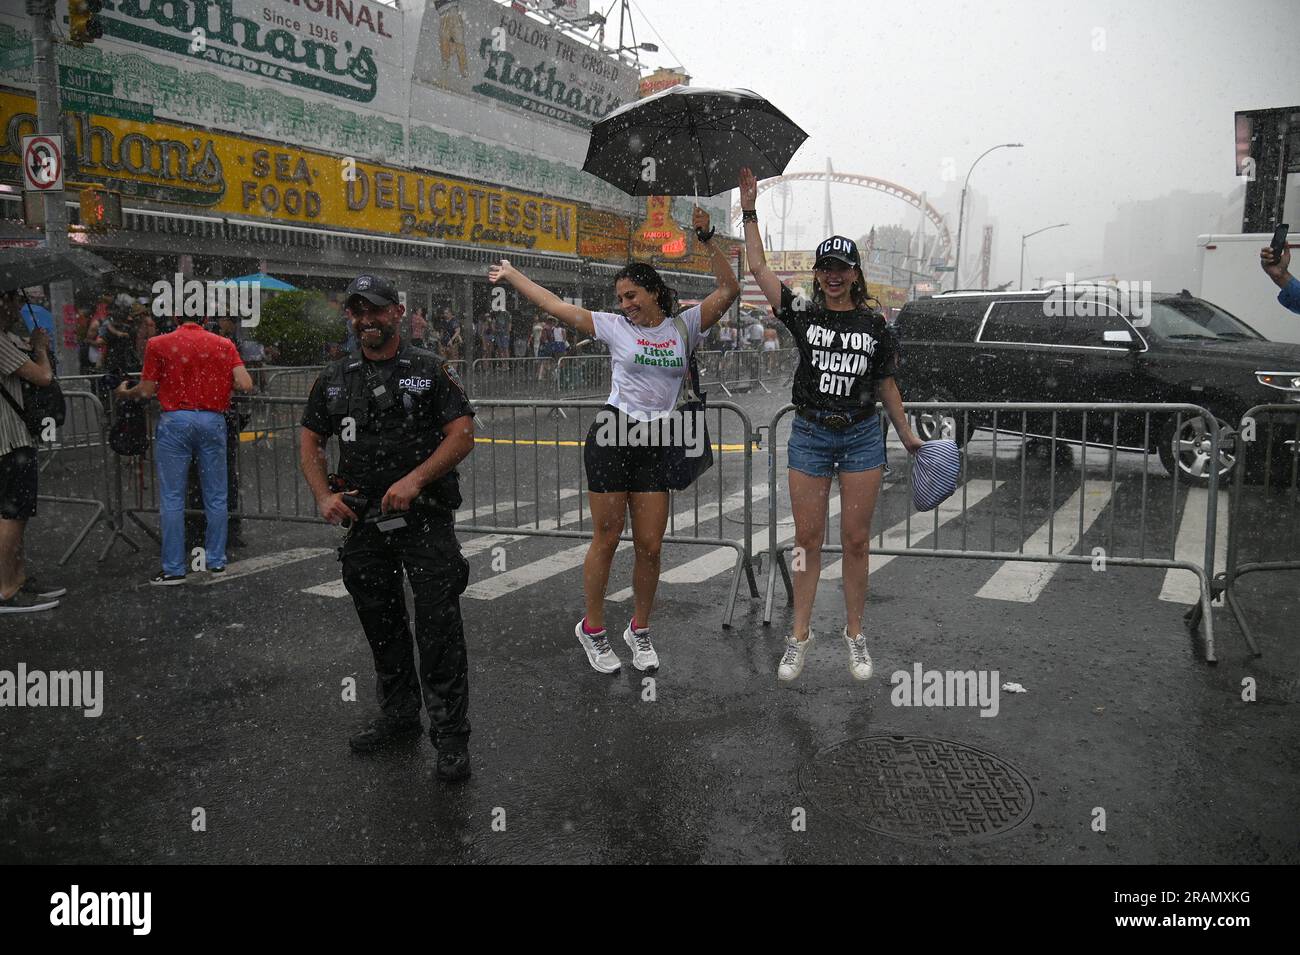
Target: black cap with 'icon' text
839	248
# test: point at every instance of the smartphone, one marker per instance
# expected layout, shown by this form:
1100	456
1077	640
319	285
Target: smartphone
1279	241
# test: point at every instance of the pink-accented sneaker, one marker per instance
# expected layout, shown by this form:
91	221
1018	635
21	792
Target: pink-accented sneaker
599	655
643	652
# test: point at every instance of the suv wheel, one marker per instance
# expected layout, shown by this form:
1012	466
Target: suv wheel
1189	450
934	423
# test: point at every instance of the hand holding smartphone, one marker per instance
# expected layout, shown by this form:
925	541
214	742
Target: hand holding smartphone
1278	245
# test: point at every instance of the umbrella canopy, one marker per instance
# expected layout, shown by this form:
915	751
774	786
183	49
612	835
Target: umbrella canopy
34	315
20	268
699	139
269	283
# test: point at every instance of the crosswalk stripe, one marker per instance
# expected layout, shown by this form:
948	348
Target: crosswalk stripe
721	559
922	526
508	582
1023	581
1181	586
467	515
335	589
478	545
254	565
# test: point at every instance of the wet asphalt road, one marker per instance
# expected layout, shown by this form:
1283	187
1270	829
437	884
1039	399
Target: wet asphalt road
228	697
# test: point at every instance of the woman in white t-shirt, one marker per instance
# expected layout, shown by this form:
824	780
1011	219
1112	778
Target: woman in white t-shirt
624	470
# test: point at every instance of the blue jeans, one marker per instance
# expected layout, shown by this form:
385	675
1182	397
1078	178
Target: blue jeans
183	435
818	451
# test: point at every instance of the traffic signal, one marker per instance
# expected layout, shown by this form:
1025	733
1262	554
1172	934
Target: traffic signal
84	25
101	209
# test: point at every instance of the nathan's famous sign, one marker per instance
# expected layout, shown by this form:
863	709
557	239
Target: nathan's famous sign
659	238
237	176
477	47
325	45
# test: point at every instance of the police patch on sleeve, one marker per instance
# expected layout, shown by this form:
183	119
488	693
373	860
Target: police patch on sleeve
452	376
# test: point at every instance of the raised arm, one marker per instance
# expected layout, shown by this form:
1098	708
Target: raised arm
550	303
765	277
717	302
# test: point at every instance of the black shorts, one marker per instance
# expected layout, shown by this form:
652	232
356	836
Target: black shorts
618	467
18	484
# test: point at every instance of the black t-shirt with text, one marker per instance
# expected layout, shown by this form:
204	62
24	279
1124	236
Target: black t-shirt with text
389	445
841	354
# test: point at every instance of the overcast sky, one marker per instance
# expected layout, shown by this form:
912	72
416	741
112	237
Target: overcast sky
891	89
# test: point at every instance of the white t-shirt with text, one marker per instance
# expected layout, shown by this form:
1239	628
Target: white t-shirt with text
648	362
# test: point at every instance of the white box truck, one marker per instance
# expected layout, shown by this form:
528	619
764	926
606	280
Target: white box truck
1230	276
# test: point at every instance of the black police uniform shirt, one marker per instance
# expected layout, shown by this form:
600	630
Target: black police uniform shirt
390	445
842	355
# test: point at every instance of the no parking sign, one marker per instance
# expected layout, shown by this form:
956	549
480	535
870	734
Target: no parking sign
43	163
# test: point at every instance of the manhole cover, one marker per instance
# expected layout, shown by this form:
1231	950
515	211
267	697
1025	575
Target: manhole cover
915	788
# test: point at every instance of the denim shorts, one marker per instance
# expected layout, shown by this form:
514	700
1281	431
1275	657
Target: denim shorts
818	451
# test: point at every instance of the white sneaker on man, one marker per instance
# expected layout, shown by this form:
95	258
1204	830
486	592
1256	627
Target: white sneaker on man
643	652
599	655
796	651
859	658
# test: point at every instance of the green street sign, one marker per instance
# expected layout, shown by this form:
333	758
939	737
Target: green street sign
75	101
16	58
85	81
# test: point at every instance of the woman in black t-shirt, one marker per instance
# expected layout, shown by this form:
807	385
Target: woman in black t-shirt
847	360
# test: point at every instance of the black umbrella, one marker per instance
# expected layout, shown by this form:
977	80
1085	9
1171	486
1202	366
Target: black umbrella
699	140
20	268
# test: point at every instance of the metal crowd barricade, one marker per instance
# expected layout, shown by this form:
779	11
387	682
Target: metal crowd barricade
526	460
583	376
1014	418
503	479
286	382
1270	436
75	468
270	483
517	377
710	364
742	370
780	364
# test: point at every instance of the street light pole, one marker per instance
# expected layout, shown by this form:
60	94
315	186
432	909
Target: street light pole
1021	284
48	121
961	209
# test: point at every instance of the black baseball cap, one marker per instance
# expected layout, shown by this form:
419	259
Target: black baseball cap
373	289
839	248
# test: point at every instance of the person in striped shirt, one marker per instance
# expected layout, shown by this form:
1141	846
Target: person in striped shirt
21	359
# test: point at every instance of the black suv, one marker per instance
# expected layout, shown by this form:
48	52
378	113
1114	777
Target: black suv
1076	344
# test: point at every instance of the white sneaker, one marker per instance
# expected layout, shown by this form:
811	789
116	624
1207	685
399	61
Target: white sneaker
796	651
643	653
859	658
599	654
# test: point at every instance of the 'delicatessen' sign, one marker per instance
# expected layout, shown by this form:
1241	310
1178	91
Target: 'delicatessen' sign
219	173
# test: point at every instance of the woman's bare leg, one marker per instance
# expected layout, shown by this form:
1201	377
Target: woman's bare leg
858	492
607	514
808	497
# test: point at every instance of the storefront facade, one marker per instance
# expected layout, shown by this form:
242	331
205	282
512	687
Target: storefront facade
345	138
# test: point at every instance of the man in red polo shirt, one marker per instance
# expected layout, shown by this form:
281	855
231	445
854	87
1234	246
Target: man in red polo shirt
192	372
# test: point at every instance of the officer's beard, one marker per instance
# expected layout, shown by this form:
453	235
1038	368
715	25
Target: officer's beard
386	332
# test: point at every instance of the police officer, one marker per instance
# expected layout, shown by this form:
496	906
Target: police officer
403	424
